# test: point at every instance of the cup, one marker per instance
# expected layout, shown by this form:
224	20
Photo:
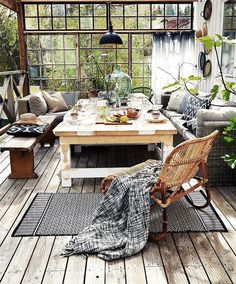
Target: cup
155	112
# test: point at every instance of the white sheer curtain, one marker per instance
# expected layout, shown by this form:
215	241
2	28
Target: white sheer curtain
170	51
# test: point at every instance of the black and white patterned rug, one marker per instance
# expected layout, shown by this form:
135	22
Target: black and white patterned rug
69	213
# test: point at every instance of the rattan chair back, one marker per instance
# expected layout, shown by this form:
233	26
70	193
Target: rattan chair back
184	161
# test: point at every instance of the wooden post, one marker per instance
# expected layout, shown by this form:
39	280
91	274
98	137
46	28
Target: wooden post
22	47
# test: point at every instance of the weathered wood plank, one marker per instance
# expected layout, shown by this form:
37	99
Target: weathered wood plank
115	272
172	263
19	262
225	254
134	269
190	260
155	271
209	259
56	265
95	270
75	272
35	268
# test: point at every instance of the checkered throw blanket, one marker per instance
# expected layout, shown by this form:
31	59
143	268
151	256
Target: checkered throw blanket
120	224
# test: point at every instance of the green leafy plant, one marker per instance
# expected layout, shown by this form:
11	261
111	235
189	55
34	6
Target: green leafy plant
229	138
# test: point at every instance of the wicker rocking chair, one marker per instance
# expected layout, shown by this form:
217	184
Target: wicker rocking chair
183	163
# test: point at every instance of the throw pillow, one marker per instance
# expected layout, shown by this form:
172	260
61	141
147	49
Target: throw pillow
193	106
184	102
55	102
175	100
37	104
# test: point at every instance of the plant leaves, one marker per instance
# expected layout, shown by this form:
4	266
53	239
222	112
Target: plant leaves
219	37
208	41
214	91
170	85
194	78
226	95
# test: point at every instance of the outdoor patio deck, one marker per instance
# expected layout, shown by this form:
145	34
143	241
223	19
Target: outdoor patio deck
184	258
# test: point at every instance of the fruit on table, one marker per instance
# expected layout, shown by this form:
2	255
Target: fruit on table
124	118
132	112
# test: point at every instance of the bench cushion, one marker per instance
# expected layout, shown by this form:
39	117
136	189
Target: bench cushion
55	102
37	104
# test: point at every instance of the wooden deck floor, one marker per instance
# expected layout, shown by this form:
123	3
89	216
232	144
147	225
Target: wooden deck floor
184	258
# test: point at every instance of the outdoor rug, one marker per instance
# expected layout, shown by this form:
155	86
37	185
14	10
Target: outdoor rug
69	213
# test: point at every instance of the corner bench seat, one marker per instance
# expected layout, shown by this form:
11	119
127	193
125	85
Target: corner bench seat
22	150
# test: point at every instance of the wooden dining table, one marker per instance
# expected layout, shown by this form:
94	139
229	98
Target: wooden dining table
137	131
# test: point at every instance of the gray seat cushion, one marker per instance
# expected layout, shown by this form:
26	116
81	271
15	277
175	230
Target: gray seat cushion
171	113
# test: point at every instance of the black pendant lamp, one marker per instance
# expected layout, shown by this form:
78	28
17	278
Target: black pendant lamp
110	39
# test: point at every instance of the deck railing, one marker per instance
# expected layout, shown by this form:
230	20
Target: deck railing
8	96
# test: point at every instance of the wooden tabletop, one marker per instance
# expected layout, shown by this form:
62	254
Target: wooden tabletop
138	127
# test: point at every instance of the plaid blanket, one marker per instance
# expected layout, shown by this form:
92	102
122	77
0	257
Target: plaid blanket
120	224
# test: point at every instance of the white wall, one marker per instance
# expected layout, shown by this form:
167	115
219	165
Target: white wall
215	26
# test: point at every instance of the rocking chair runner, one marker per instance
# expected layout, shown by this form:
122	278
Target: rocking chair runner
183	163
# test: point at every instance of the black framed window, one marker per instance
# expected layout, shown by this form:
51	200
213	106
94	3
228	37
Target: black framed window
92	16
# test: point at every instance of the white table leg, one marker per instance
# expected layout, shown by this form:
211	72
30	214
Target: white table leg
65	164
165	150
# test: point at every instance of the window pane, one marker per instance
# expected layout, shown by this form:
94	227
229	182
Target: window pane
34	72
70	56
184	23
86	23
46	57
144	9
44	9
31	23
72	9
137	41
130	10
58	56
184	9
157	9
30	10
100	10
171	23
33	57
85	40
45	41
137	55
157	23
130	23
58	71
72	23
71	71
58	23
58	10
118	23
32	42
45	23
137	70
57	42
100	23
171	9
47	71
144	23
116	10
70	41
86	9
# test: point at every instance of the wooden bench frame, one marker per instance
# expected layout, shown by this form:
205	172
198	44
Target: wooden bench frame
22	151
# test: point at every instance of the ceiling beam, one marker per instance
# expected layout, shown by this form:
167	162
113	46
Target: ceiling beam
11	4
